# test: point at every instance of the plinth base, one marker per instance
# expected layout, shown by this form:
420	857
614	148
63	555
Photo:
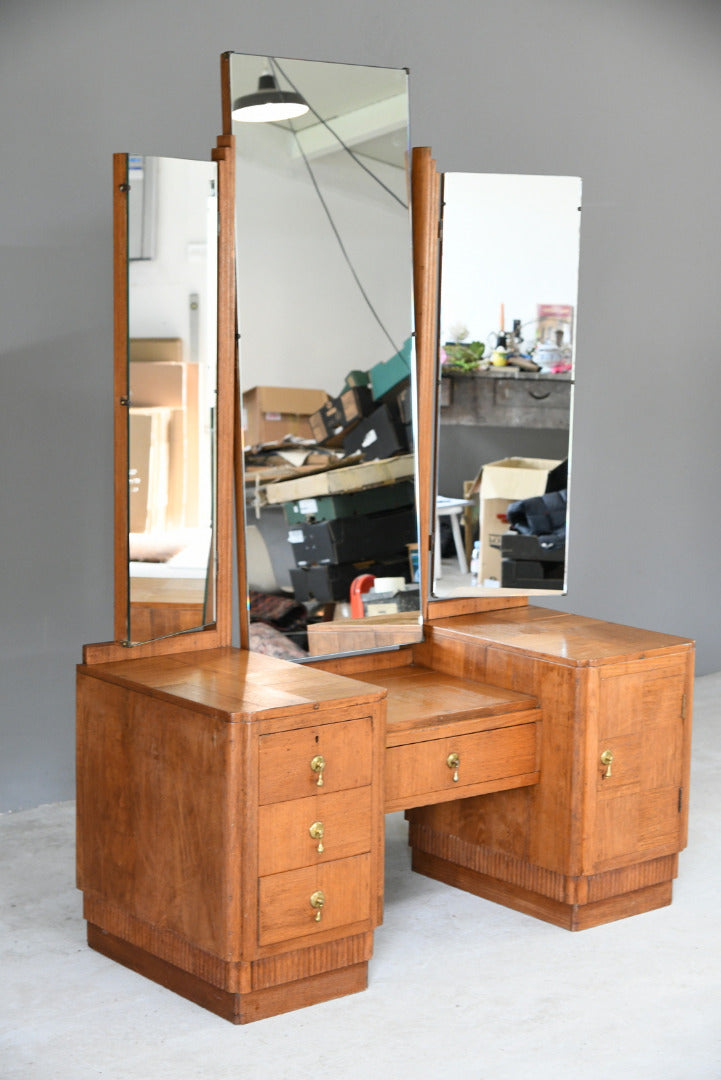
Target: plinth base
239	1008
568	914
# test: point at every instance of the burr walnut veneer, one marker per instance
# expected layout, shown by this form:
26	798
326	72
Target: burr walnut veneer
230	814
230	806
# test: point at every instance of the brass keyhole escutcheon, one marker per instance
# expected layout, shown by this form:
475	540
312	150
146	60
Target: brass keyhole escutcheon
316	901
316	831
607	760
317	765
453	761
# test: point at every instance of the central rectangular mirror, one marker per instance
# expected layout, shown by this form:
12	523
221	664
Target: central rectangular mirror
324	288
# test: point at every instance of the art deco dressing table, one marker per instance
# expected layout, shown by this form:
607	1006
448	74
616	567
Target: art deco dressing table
231	805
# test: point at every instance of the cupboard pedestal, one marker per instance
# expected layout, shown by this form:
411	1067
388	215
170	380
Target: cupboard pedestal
598	837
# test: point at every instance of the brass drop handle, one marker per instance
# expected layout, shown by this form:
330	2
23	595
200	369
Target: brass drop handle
316	831
317	765
607	760
316	902
453	761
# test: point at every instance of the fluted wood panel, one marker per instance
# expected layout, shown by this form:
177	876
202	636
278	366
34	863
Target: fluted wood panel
304	963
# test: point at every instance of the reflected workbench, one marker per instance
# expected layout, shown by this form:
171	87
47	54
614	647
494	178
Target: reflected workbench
506	397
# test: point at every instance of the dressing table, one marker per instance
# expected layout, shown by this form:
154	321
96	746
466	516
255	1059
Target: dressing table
231	805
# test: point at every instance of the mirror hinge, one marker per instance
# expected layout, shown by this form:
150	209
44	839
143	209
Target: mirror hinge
683	706
125	401
680	799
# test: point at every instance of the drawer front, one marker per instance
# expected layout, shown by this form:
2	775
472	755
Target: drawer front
421	769
340	822
285	909
529	393
285	760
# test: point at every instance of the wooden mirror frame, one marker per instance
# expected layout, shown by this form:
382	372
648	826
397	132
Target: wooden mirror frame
242	575
426	195
219	633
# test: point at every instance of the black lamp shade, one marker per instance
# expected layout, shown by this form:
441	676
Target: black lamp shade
268	103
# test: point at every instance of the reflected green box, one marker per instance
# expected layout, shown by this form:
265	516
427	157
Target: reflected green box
330	507
355	379
391	374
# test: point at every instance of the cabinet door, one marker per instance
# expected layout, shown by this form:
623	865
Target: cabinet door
639	762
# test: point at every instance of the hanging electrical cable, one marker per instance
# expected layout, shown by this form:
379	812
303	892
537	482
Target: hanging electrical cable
326	208
274	63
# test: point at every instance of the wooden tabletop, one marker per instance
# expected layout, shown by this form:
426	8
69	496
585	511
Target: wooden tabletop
420	698
562	637
234	683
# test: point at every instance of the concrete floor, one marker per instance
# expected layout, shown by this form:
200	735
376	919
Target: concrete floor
459	987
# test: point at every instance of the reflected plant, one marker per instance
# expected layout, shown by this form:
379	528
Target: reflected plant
463	356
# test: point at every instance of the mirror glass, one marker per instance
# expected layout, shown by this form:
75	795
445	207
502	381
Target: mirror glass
508	298
172	365
324	284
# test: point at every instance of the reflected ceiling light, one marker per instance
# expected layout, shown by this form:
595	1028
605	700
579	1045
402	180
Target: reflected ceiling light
268	104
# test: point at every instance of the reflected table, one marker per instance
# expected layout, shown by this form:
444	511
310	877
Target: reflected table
452	509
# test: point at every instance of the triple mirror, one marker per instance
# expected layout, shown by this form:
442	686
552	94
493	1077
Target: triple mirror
323	280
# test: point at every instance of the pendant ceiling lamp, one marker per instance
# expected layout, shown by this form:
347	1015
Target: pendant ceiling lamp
268	104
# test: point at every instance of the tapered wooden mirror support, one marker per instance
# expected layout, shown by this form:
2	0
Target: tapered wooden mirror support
426	196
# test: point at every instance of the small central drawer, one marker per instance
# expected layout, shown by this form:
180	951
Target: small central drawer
290	834
315	760
421	773
286	901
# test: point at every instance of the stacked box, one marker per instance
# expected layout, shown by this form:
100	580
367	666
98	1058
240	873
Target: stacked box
372	500
345	540
327	423
335	538
380	435
356	402
393	601
503	482
363	393
356	378
272	412
526	564
331	583
405	413
389	377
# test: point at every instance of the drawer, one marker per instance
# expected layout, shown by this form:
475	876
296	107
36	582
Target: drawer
530	393
284	900
285	769
285	841
418	773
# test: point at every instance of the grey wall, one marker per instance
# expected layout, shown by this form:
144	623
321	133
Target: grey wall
625	93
